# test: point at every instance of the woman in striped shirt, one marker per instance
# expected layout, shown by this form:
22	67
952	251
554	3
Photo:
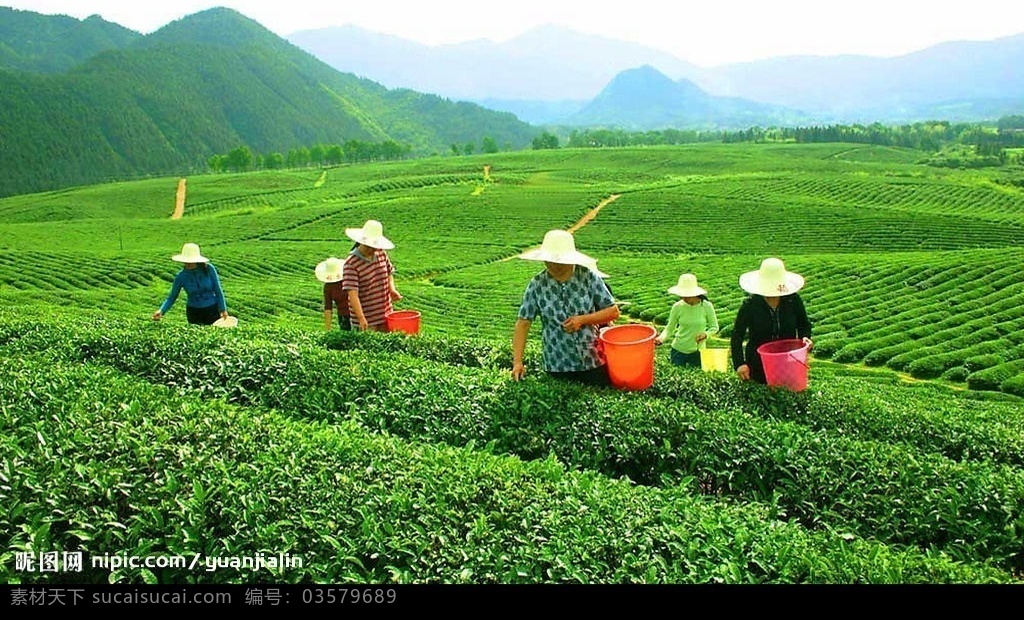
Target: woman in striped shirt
369	277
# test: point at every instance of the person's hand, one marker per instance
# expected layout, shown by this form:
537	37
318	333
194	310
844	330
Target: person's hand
395	295
701	337
363	323
809	343
157	315
518	370
224	314
573	324
743	372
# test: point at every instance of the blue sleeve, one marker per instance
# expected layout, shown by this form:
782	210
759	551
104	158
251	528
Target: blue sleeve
602	296
175	289
530	307
221	304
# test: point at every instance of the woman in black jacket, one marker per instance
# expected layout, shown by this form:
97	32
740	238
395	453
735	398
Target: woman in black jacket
773	311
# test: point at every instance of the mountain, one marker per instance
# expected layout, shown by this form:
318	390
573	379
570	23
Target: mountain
644	99
547	63
50	44
203	85
550	73
868	88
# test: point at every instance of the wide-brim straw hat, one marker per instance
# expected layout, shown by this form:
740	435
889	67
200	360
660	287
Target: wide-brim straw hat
229	321
371	234
687	287
559	247
330	270
190	254
771	280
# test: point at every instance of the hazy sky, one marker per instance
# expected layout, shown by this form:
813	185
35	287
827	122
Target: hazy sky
705	33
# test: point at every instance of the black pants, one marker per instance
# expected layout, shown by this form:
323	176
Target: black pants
594	376
202	316
344	323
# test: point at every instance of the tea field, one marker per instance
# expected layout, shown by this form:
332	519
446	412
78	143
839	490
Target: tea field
379	458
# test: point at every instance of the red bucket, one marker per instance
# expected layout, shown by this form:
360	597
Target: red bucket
785	363
629	350
407	321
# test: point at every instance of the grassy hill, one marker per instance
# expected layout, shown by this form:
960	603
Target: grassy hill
415	459
204	85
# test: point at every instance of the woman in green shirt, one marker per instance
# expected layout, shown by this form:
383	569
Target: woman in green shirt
690	322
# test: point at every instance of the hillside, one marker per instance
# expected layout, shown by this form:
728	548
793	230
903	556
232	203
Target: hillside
204	85
51	44
903	461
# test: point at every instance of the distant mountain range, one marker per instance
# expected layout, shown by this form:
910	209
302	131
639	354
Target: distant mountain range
550	74
88	101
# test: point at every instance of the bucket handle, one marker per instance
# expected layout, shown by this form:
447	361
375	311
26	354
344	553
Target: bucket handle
798	360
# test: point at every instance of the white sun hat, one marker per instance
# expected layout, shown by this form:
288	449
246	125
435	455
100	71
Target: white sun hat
371	234
190	254
330	270
228	321
687	287
559	247
771	280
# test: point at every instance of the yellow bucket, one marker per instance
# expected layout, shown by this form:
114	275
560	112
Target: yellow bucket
714	360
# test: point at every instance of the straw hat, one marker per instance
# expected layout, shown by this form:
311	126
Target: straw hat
559	247
190	254
230	321
330	270
687	287
771	280
371	234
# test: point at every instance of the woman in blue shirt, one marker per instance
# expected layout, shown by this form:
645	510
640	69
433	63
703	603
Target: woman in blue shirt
202	287
572	301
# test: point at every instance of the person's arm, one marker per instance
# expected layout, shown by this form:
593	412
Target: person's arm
350	284
171	298
602	298
519	335
670	329
222	305
739	332
356	309
803	323
710	319
395	295
602	316
328	307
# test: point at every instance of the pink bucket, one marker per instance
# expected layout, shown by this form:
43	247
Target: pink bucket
785	363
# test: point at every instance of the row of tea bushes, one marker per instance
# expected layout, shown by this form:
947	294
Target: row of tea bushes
105	464
955	426
892	492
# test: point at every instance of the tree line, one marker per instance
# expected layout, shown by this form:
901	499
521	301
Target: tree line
242	158
960	143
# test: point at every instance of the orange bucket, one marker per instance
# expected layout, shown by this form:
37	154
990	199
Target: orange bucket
785	363
407	321
629	350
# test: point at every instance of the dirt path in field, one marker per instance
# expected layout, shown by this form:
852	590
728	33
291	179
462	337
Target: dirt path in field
586	219
583	221
179	203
